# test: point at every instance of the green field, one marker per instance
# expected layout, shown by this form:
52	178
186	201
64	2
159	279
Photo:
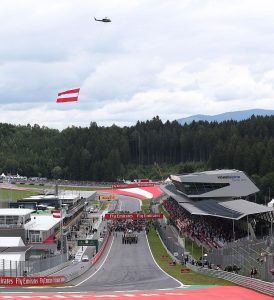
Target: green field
192	278
145	205
13	195
163	211
63	187
191	247
104	205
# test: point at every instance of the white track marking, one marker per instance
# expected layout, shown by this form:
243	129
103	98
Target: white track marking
180	283
99	267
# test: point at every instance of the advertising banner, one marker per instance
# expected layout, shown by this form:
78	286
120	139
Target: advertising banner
32	281
132	185
107	197
134	216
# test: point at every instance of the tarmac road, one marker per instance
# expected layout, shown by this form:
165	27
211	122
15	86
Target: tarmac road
124	267
127	267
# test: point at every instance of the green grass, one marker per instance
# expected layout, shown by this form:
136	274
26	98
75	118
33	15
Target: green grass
145	205
191	247
104	205
163	211
191	278
63	187
13	195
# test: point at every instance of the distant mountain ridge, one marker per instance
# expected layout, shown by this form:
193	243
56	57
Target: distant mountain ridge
233	115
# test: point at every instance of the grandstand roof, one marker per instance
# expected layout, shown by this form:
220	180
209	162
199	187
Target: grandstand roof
229	208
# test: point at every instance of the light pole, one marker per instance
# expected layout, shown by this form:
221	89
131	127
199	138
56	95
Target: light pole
61	228
61	220
202	255
233	225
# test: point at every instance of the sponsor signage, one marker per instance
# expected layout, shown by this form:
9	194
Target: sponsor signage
132	185
88	243
107	197
233	177
134	216
26	280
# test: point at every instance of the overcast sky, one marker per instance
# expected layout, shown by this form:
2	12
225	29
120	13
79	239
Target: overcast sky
172	58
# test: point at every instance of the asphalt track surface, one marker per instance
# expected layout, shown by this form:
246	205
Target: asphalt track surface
127	267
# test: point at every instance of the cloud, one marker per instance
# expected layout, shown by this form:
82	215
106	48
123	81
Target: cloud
168	58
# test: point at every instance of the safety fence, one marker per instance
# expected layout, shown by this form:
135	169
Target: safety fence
101	250
252	283
30	267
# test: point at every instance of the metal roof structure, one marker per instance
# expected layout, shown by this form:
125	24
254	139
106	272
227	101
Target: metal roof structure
216	183
15	211
42	222
228	208
11	241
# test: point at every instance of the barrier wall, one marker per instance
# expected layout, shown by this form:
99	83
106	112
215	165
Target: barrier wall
31	281
96	257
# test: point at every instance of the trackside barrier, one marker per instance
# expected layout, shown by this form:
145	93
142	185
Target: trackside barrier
53	270
31	281
86	266
96	257
251	283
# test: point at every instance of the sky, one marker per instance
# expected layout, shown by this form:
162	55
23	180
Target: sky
171	58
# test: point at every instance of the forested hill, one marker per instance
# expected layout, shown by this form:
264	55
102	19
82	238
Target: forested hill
106	153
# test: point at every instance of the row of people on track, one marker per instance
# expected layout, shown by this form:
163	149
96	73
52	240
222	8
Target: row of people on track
125	225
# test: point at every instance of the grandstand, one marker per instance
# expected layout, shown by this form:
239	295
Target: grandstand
212	209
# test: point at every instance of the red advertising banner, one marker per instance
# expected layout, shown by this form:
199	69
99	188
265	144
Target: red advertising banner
26	280
132	185
134	216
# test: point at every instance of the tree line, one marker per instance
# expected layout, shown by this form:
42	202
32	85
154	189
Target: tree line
151	149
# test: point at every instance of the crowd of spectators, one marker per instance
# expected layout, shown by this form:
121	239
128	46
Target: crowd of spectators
212	231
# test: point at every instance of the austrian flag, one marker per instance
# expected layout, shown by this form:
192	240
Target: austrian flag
56	213
68	96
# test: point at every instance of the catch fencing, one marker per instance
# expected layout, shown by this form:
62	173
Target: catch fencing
30	267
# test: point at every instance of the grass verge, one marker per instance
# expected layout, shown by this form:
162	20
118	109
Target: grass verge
163	211
13	195
145	205
63	187
104	205
191	278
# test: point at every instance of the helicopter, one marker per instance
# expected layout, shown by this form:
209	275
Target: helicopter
105	20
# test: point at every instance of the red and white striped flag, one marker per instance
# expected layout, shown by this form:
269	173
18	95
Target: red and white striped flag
56	213
68	96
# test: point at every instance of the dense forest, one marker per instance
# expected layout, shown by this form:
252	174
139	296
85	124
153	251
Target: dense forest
148	149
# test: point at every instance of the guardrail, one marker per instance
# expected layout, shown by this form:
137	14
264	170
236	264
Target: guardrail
53	270
102	248
251	283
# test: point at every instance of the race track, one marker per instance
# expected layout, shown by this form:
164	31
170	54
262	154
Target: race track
127	267
129	271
